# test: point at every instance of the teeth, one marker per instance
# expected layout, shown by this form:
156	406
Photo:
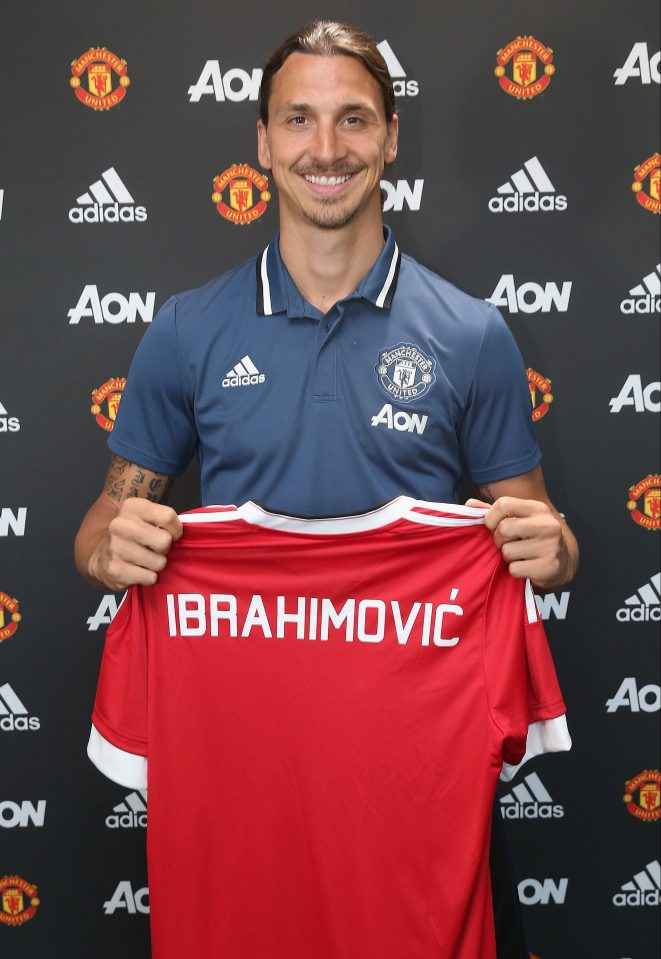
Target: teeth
327	180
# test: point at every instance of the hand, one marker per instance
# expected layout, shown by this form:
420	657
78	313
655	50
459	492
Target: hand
135	546
531	538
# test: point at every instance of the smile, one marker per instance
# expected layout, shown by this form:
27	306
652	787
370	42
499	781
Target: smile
328	180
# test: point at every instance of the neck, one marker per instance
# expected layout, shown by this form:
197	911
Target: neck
328	265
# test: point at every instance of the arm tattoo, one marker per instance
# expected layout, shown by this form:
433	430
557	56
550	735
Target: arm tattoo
115	482
486	494
159	488
122	471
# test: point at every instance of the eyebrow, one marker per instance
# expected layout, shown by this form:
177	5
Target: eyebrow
359	106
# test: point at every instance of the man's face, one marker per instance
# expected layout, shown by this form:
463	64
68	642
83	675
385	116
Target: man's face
327	139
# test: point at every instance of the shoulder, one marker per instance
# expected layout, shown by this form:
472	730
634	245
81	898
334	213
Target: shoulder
235	287
453	309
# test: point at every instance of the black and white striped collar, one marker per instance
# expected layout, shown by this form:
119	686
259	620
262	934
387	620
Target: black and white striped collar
378	286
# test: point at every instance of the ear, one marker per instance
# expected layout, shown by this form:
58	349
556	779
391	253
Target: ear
392	139
263	152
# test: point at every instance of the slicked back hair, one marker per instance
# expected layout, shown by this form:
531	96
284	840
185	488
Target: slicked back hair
328	38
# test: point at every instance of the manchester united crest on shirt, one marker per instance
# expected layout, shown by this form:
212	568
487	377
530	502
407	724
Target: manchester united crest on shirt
405	372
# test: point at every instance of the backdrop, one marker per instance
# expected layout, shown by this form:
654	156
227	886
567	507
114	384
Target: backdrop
528	174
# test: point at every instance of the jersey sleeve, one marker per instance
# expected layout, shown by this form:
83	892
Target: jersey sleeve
525	701
155	425
496	433
118	739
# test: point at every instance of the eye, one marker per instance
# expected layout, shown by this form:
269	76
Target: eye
298	121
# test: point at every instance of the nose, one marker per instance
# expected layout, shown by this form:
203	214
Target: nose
328	144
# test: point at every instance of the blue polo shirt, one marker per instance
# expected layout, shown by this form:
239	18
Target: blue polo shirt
403	387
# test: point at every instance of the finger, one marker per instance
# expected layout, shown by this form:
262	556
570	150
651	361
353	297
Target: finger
510	506
124	531
124	575
156	514
542	528
477	503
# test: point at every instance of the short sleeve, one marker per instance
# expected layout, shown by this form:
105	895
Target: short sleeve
155	425
525	701
118	741
496	433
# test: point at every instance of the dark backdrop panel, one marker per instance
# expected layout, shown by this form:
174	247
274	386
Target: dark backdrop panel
584	862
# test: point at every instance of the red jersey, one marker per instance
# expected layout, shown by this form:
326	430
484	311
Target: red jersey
320	710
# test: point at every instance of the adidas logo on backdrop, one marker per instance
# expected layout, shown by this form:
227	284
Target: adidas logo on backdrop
645	297
131	813
530	800
529	190
13	714
644	605
244	373
643	889
107	201
8	424
402	86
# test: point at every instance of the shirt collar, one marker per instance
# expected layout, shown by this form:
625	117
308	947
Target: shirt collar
273	295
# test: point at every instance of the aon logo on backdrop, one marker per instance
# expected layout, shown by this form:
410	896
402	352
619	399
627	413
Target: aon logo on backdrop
125	898
647	699
639	65
235	84
644	399
531	297
533	892
112	308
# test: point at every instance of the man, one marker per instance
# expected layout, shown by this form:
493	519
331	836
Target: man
372	377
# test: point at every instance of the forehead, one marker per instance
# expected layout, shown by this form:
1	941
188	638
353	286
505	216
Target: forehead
323	82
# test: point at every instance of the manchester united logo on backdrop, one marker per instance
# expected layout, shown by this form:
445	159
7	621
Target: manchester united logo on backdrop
239	183
405	372
93	76
649	196
19	900
645	502
531	68
107	398
643	795
9	616
540	394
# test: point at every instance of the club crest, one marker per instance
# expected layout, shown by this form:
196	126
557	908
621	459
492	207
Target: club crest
405	372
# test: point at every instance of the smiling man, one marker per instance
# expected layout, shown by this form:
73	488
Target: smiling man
367	376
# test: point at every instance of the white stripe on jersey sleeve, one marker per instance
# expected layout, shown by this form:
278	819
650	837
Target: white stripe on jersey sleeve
531	604
544	736
127	769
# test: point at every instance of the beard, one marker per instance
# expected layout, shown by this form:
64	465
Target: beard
330	215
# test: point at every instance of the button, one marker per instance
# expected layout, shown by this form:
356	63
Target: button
327	327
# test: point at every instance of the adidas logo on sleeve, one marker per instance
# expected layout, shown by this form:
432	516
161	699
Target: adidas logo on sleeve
131	813
244	373
643	889
530	800
529	190
107	201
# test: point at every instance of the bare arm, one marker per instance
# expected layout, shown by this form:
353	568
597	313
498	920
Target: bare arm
127	532
534	538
